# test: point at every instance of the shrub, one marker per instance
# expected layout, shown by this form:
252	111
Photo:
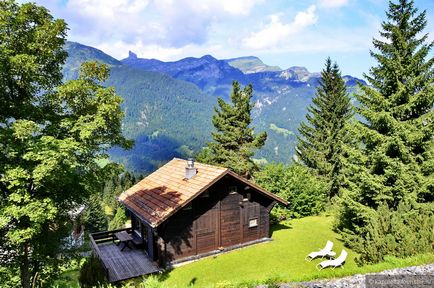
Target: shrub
305	192
118	220
94	217
92	273
403	232
152	281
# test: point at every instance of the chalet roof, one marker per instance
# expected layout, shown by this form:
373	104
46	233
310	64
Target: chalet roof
165	191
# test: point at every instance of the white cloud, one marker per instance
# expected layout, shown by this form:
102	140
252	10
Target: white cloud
277	32
332	3
120	50
107	9
168	23
240	7
237	7
96	20
173	29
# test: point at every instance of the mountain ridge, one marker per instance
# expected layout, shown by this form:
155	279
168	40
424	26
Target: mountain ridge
169	105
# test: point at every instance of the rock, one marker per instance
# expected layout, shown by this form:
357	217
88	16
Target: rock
358	280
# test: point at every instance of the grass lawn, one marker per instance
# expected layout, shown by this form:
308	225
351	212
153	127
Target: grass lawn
281	259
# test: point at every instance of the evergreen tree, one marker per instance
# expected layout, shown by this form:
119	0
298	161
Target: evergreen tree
321	138
394	161
235	141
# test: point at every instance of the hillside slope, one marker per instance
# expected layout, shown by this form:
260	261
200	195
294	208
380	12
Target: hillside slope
169	105
159	110
251	64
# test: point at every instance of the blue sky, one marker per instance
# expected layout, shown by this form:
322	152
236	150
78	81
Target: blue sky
281	32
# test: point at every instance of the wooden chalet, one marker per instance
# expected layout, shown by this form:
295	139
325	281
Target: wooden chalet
184	211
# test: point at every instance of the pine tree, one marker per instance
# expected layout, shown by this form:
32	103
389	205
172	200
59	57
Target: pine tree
321	138
234	141
394	161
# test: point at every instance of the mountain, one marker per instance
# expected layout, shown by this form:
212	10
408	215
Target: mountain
209	74
78	53
215	76
251	64
166	117
168	105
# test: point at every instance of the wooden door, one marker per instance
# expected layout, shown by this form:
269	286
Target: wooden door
207	231
230	220
206	223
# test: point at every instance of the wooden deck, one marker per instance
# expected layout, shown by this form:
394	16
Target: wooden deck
125	264
120	265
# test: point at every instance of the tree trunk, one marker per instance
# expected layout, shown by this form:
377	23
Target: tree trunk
24	267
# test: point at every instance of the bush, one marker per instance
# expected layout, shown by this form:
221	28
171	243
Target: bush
305	192
9	277
152	281
118	220
92	273
94	217
403	232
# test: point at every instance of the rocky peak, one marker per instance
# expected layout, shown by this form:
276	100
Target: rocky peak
132	55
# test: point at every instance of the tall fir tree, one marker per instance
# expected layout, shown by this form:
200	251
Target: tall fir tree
393	163
234	141
321	138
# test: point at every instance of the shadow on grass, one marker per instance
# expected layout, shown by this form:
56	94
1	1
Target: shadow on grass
192	281
279	226
165	274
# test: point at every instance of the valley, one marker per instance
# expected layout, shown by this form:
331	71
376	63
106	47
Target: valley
168	105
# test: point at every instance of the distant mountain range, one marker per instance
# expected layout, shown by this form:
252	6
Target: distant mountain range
251	64
168	105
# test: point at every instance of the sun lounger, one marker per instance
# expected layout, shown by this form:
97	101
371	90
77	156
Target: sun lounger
325	252
333	263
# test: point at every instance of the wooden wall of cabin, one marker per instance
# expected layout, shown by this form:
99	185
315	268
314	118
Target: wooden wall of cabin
219	218
253	212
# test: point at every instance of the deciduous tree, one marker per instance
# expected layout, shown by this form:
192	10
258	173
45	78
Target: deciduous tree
51	135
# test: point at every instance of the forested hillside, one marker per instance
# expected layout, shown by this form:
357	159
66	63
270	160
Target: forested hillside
168	105
166	117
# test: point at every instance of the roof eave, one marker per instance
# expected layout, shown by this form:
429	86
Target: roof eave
258	188
152	225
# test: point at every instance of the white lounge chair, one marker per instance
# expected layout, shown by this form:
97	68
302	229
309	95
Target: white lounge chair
326	251
333	263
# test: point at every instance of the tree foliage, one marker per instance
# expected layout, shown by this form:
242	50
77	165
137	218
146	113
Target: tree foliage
297	184
92	273
393	164
403	232
50	134
234	141
321	138
114	186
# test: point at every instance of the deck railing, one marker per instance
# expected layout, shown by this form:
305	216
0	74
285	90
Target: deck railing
103	237
107	236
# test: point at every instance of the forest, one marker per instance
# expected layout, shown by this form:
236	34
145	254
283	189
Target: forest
363	162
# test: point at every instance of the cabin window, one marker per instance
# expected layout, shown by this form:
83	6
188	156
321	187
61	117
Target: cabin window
233	189
144	233
136	225
247	197
253	222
